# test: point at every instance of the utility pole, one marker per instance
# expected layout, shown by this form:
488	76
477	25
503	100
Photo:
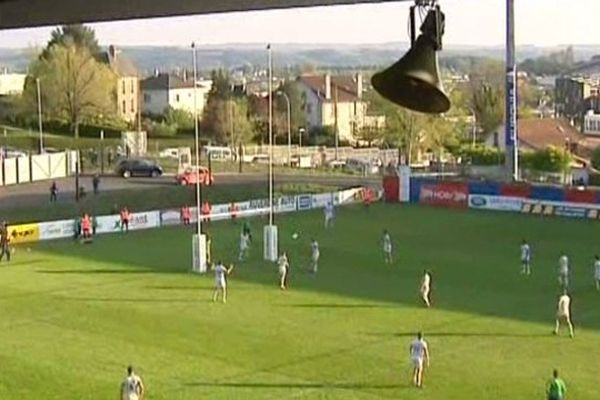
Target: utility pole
336	126
39	104
510	124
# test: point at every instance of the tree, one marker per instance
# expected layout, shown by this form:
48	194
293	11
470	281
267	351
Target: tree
488	104
77	35
75	87
180	119
371	134
596	158
228	121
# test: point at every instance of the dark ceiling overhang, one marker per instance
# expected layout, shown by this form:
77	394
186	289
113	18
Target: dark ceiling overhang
31	13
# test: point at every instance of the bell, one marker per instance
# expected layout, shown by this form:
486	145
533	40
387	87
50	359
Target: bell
414	80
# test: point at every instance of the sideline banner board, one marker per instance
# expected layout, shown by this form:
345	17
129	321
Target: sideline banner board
57	229
170	217
24	233
304	202
445	194
561	209
498	203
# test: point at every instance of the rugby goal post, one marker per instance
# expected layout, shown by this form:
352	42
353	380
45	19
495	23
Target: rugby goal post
199	259
270	236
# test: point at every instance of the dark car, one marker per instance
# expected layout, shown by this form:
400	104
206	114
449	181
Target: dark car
129	168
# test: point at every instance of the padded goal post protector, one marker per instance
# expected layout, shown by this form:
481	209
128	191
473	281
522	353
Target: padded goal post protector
199	259
270	236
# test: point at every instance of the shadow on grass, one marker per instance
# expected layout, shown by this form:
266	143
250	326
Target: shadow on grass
473	265
94	271
462	334
316	385
339	305
127	300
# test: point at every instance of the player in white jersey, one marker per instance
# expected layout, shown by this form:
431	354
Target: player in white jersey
426	288
132	387
244	245
387	247
419	354
563	313
563	271
597	272
221	281
283	266
329	214
315	254
525	258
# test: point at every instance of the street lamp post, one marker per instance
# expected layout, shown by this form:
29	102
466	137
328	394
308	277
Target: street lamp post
300	134
39	105
199	240
289	124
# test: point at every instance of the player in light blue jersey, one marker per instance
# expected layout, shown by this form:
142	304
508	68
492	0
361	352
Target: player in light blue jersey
525	258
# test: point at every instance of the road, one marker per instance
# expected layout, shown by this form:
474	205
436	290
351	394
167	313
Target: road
38	192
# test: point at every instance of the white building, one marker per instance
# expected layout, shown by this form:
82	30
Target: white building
330	99
591	123
11	84
162	91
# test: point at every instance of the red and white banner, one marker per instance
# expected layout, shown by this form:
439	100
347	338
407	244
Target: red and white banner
445	194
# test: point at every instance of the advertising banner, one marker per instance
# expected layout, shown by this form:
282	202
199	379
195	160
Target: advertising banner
57	229
498	203
170	217
349	196
144	220
285	204
454	195
304	202
561	209
321	200
24	233
108	223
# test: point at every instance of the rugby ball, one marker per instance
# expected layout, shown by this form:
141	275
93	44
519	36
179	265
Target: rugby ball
294	236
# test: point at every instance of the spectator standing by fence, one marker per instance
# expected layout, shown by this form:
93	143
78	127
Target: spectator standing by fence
53	192
4	242
96	183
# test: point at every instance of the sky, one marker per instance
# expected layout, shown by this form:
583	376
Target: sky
468	22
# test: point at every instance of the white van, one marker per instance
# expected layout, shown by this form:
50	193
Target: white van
361	166
219	153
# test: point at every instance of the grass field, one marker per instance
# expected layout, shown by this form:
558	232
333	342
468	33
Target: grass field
73	316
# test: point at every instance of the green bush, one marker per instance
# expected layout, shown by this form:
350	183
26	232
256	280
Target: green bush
596	158
482	155
551	159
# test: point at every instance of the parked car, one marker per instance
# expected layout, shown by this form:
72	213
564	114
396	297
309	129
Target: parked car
336	164
190	176
219	153
361	166
171	152
137	167
51	150
260	158
11	152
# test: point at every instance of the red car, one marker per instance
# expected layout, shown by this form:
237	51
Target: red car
190	176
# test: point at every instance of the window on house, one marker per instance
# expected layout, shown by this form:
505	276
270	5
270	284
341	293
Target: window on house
132	86
147	98
132	106
124	107
123	84
177	98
